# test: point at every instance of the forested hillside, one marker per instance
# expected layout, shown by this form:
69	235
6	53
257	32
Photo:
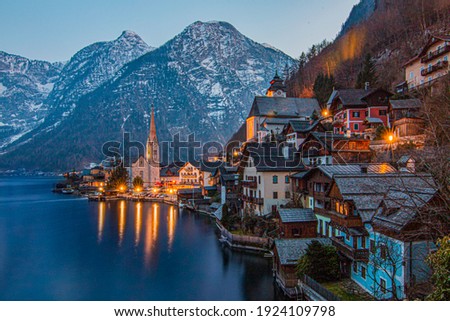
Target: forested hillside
393	34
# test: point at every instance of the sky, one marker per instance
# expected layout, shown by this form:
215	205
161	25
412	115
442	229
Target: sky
54	30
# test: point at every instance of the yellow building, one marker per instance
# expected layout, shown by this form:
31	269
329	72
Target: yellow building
430	64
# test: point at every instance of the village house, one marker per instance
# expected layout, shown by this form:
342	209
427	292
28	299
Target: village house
405	117
189	174
310	188
355	212
266	170
169	174
327	148
287	252
430	64
297	222
273	111
296	131
359	111
226	180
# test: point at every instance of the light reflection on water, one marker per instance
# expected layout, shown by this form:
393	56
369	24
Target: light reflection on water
70	249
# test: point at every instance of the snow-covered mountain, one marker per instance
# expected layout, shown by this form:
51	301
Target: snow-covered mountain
24	85
202	81
86	71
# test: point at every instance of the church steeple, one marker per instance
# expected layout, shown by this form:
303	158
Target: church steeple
152	140
152	133
277	87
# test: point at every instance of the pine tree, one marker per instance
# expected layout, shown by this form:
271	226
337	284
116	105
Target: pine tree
323	87
367	73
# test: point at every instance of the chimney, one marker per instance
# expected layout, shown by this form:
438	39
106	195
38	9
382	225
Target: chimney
364	168
366	85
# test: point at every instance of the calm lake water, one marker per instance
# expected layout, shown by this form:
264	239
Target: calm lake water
59	247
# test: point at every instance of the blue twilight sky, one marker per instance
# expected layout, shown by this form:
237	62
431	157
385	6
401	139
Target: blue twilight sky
54	30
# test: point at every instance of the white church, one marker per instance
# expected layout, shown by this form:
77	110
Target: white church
147	167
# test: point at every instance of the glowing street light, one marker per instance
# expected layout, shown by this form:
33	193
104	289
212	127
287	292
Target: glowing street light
121	188
325	112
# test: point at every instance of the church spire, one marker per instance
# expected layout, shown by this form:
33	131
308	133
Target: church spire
152	134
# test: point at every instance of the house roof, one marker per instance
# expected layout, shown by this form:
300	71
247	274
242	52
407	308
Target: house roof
326	139
240	135
331	170
368	190
269	157
290	250
406	103
401	207
404	160
303	126
373	120
295	215
283	107
353	97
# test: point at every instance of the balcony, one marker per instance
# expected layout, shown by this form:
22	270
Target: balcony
348	251
435	54
249	184
435	67
345	220
253	200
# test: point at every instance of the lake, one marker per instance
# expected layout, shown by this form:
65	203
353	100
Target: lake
62	247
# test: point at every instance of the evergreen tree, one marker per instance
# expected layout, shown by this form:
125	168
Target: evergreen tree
119	177
367	73
321	262
323	87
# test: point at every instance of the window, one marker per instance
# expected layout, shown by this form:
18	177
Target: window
363	272
275	179
430	67
383	251
382	112
356	126
321	227
355	267
296	232
363	242
287	195
372	246
446	58
383	285
286	179
411	75
355	114
430	79
259	179
275	195
347	237
367	113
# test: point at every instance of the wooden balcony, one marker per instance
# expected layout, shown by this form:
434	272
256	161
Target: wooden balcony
435	67
345	220
435	54
348	251
253	200
249	184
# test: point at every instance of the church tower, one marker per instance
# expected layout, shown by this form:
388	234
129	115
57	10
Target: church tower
153	158
277	87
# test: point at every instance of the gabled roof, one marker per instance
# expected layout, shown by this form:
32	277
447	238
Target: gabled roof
269	157
401	207
368	190
406	104
290	250
404	160
303	126
326	139
283	107
295	215
355	169
353	97
424	49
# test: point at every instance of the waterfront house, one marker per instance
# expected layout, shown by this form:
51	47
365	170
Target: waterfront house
297	222
358	111
287	252
169	174
189	174
329	148
429	65
354	202
266	170
310	188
